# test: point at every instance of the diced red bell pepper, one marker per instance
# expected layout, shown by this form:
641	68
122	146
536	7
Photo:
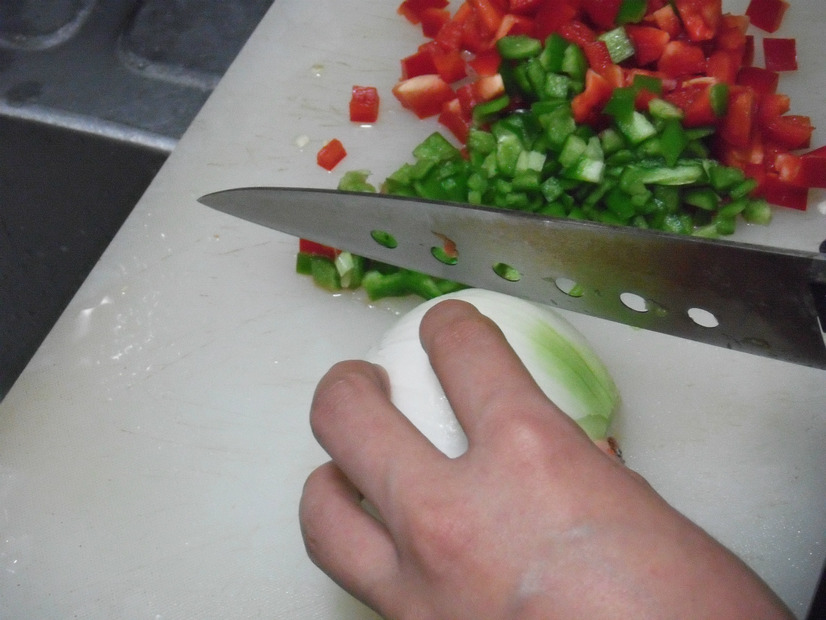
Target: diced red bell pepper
812	171
731	34
577	32
694	99
780	54
412	9
364	104
598	56
512	25
588	104
700	18
602	13
748	53
761	80
736	128
490	15
723	65
667	21
450	35
767	14
525	7
772	106
433	20
681	58
484	89
424	95
486	63
450	65
792	131
649	43
331	154
456	120
305	246
474	38
420	63
551	16
784	194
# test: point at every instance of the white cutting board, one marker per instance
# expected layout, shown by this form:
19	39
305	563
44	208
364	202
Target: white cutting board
153	452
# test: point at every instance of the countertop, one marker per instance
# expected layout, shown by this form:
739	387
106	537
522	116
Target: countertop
153	451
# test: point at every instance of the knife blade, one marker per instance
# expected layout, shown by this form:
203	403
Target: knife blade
744	297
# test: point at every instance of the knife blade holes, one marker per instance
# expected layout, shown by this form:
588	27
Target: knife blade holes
569	287
634	302
385	239
703	318
506	272
446	253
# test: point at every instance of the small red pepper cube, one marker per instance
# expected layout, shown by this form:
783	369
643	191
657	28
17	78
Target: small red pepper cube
681	59
761	80
424	94
364	104
331	154
313	248
783	194
433	20
780	54
767	14
813	169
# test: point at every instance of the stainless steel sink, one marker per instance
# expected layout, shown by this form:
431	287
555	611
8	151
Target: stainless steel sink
94	95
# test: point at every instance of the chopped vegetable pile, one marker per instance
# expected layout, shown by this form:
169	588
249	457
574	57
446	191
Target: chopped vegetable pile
646	113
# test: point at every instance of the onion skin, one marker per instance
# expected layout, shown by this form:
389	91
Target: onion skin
558	357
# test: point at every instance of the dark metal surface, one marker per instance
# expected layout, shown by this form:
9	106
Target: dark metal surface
763	301
93	96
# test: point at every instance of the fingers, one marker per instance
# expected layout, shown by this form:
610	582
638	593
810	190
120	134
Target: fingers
367	437
348	544
485	381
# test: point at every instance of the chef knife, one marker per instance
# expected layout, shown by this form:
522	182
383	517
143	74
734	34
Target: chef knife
769	302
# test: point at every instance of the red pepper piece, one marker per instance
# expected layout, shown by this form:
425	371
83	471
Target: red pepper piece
667	21
433	20
761	80
420	63
331	154
551	16
602	13
767	14
424	95
700	18
649	43
364	104
588	104
486	63
723	65
490	15
412	9
813	169
577	32
450	65
792	131
780	54
305	246
456	119
525	7
736	128
784	194
681	58
599	58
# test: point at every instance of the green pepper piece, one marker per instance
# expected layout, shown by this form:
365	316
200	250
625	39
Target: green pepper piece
518	47
619	45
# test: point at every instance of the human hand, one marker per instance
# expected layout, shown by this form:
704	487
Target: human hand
533	521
